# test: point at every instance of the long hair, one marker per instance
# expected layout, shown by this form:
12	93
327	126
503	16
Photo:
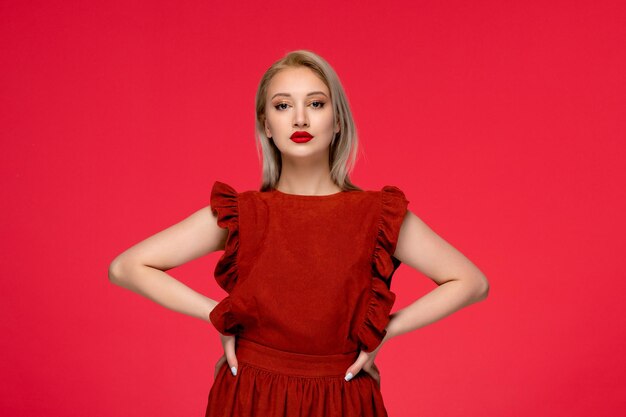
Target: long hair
344	146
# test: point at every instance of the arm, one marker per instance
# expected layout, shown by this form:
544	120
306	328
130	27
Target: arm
142	267
459	282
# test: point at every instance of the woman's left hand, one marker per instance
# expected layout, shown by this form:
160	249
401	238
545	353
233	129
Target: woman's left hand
365	362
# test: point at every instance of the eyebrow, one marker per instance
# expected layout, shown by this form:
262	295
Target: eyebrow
289	95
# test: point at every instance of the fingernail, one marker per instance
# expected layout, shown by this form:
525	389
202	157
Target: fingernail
233	370
348	376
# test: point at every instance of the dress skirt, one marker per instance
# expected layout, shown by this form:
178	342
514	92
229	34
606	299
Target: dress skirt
277	383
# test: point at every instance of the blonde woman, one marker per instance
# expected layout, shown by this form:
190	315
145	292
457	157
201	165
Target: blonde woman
307	263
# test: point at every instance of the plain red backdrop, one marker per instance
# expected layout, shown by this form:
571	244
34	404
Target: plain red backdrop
503	122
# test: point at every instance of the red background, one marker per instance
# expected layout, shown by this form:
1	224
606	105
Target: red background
503	122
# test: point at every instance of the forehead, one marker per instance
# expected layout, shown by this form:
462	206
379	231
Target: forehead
296	81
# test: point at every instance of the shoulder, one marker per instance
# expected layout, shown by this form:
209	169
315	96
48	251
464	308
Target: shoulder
387	191
393	194
222	192
393	210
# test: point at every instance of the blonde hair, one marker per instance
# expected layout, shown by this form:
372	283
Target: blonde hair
344	146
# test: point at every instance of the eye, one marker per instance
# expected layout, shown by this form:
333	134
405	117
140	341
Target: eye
321	104
277	107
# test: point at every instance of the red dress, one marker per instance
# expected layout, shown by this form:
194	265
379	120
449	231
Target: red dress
308	282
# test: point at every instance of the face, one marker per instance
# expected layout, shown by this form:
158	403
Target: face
297	100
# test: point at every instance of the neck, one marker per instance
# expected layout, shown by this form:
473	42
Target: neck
306	177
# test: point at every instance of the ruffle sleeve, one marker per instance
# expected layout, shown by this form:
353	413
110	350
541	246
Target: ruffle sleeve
392	211
225	205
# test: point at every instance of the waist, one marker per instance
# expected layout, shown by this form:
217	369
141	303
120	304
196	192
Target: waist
291	363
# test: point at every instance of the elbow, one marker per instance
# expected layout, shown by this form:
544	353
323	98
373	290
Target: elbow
118	271
482	288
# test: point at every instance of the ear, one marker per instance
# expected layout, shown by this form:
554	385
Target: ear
267	129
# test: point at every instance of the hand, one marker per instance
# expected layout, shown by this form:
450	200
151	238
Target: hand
228	342
365	361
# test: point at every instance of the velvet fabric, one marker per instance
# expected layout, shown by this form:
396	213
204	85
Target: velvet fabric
308	280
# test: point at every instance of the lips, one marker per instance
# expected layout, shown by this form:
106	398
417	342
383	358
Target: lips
301	136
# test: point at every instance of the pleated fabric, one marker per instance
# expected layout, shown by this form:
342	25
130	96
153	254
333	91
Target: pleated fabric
308	283
277	383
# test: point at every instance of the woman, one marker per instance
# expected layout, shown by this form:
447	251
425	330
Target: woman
307	263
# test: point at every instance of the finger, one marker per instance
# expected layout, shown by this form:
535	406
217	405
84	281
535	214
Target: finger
229	351
372	370
218	365
375	376
356	367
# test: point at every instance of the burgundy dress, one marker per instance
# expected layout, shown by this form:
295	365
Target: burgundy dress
308	283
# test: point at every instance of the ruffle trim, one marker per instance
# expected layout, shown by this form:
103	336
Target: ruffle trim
223	319
225	204
384	264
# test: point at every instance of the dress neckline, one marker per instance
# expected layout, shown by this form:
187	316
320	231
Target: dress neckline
308	196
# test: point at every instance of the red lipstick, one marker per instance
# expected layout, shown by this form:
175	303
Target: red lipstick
301	136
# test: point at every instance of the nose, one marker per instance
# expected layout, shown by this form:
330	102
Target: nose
300	117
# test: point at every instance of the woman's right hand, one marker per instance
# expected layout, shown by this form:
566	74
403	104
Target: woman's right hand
228	342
